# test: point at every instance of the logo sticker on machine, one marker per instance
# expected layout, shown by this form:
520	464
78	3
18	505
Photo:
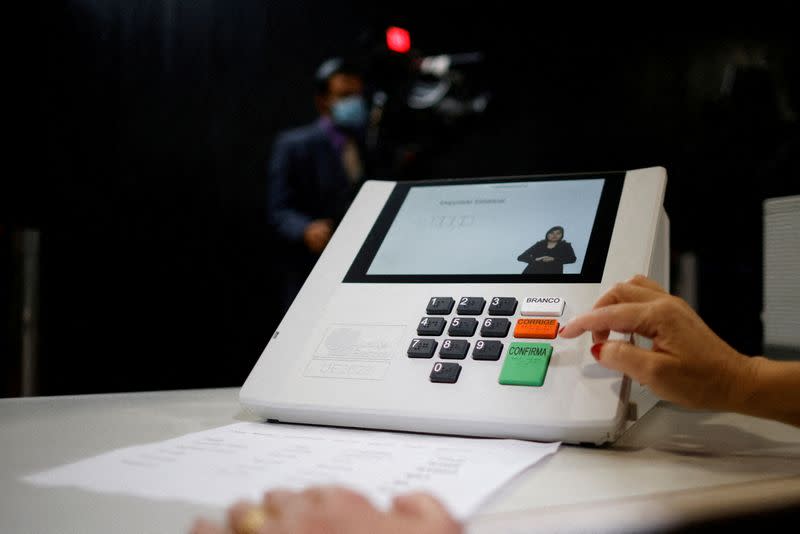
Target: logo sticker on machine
355	351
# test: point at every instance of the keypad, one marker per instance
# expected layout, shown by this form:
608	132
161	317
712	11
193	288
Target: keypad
526	361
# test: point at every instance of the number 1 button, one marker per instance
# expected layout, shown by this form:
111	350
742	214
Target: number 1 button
440	306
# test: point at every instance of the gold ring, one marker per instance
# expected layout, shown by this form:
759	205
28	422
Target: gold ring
253	520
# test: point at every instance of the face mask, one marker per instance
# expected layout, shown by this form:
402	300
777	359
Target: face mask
350	112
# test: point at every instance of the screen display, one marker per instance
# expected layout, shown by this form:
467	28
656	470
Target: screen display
546	228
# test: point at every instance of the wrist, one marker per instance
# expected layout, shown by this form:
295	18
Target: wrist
746	384
770	389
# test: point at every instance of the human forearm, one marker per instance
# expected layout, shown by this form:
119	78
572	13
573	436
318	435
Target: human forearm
771	389
290	224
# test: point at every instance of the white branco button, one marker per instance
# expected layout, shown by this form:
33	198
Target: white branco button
546	306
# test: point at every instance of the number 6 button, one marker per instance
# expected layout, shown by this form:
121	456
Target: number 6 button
495	327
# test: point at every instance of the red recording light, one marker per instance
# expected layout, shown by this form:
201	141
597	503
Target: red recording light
398	40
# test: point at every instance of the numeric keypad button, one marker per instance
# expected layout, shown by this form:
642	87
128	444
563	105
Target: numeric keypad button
445	372
431	326
422	348
471	305
502	306
454	349
440	306
462	326
495	327
487	349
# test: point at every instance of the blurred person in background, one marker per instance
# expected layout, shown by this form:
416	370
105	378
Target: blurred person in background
315	171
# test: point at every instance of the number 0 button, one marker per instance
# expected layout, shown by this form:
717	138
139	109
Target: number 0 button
445	372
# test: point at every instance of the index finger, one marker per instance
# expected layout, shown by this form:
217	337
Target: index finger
627	292
642	280
626	317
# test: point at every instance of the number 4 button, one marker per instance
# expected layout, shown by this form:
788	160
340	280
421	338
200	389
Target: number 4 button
445	372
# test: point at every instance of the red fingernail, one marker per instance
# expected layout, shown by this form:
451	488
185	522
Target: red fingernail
561	330
596	350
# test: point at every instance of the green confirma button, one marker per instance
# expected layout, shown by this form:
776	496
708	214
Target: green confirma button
526	364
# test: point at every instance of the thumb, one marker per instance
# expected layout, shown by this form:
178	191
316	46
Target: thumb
419	504
629	359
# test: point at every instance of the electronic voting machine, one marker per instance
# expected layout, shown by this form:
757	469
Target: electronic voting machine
436	307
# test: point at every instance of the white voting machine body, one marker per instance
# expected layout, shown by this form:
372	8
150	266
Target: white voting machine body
436	308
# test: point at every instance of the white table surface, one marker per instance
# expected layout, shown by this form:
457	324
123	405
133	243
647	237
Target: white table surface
673	466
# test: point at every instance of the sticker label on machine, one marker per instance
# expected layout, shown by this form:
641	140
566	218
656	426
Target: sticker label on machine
360	351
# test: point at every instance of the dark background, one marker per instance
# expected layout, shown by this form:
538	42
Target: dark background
153	121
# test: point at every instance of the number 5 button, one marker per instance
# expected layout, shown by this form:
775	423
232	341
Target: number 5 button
462	326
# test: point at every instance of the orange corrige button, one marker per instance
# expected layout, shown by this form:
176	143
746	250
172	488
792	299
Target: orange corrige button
536	328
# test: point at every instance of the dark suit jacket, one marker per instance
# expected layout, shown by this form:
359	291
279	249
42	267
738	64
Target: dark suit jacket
306	181
561	253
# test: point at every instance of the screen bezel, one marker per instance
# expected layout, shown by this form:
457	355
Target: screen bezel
593	263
